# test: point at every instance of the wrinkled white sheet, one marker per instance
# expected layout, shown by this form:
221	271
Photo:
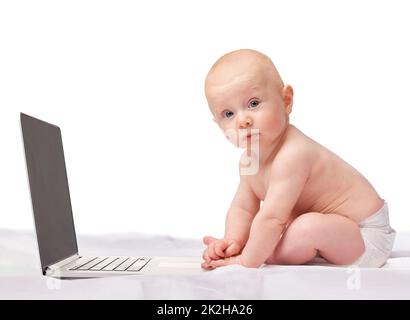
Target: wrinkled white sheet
20	275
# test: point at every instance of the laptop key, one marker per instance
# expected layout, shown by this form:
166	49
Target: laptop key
124	266
103	264
92	263
81	261
114	264
138	265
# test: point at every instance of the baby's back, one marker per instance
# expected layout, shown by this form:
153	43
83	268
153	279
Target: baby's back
333	186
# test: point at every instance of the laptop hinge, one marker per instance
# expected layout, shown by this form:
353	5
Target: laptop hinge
61	263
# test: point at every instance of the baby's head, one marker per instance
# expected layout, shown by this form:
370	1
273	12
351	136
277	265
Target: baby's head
244	92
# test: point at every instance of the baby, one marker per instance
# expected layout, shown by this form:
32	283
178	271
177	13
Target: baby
314	203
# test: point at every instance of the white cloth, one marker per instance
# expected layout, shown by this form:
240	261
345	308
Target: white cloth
378	238
21	278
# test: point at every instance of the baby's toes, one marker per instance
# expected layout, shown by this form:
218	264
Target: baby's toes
207	265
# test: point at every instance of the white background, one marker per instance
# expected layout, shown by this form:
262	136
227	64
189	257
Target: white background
124	81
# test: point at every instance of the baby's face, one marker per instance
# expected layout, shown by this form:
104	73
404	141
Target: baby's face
246	101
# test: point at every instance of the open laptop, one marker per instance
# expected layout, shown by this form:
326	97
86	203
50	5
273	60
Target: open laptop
54	224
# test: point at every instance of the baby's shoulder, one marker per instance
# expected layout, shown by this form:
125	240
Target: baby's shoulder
296	150
296	145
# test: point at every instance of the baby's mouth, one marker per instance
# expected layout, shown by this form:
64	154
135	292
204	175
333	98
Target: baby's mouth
252	136
248	137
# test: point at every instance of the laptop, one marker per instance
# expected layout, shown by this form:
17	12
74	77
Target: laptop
53	217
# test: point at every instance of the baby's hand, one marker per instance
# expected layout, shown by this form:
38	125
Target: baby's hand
219	249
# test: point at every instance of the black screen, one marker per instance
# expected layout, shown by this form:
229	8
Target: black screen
50	195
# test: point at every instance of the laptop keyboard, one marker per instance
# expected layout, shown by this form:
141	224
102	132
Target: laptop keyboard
110	264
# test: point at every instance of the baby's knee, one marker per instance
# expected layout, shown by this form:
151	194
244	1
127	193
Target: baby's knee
307	224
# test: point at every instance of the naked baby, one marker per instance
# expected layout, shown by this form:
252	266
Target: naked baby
314	203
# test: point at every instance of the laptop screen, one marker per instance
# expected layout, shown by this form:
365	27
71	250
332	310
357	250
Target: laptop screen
49	190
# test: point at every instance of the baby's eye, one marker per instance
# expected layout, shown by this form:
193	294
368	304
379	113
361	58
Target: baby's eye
227	113
253	104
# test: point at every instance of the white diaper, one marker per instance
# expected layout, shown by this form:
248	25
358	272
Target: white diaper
378	238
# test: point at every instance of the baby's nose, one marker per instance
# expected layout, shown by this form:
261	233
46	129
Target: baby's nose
245	122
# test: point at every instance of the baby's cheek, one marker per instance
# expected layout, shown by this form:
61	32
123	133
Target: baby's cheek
232	136
275	122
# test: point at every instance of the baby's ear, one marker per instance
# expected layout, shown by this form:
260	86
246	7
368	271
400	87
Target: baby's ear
287	94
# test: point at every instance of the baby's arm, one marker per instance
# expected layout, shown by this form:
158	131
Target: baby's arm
287	180
288	177
238	220
242	211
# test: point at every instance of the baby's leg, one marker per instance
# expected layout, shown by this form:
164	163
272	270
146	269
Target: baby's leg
334	237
